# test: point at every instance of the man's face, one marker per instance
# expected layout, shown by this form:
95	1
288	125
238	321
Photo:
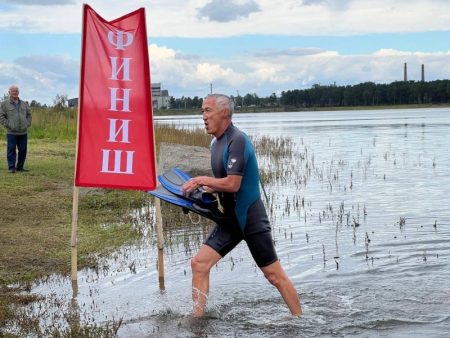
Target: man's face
14	93
213	117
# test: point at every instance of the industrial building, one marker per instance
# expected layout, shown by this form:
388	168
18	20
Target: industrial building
160	97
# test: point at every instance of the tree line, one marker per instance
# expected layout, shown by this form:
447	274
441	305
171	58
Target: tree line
249	100
369	94
60	101
362	94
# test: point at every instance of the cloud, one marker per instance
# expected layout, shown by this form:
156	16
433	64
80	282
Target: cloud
335	4
41	77
289	51
264	73
180	18
54	66
189	75
41	2
225	11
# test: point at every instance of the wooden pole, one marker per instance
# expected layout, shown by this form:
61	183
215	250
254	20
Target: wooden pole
160	242
159	226
76	190
73	240
160	239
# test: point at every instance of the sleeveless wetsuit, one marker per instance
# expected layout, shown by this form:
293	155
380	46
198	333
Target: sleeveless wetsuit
233	154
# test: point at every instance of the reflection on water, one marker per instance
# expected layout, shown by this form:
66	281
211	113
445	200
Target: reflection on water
361	219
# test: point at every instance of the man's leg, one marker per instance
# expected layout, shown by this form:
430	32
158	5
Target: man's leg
201	264
11	151
277	277
22	141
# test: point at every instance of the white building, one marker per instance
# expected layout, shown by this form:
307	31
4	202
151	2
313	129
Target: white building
160	98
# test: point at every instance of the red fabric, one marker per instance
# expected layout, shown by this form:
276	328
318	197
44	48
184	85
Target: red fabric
115	116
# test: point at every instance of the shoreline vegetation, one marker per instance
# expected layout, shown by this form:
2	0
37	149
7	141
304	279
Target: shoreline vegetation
275	109
365	95
36	206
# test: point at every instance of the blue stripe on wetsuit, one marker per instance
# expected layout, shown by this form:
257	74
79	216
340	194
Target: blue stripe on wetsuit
247	167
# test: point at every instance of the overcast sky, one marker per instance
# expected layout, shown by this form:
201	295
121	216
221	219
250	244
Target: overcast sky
245	46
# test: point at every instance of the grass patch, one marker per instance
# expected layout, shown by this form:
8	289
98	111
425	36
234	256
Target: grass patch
36	216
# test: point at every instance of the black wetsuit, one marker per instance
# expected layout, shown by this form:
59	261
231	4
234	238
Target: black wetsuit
233	154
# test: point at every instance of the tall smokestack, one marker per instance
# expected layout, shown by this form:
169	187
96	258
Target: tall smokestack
405	73
423	72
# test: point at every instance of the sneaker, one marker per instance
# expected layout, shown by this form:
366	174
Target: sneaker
12	171
21	169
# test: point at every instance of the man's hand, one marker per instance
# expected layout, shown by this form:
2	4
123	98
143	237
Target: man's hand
208	189
192	184
230	183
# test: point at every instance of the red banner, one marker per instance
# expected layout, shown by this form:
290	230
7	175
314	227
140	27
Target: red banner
115	127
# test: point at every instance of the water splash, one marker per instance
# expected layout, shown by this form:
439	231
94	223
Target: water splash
199	299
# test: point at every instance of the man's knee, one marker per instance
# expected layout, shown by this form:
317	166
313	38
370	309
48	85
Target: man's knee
275	278
199	266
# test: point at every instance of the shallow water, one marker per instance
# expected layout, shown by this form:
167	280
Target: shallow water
361	220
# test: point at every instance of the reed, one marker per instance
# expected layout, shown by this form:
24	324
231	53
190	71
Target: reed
61	124
173	134
52	123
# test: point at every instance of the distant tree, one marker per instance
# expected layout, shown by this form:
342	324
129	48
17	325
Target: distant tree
251	99
238	101
273	100
172	102
256	99
197	102
36	104
247	100
60	101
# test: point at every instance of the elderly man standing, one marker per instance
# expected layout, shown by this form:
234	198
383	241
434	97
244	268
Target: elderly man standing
236	180
15	116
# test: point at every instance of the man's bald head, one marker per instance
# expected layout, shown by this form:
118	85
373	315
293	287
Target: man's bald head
13	92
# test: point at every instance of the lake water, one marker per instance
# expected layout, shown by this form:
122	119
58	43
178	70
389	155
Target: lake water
361	221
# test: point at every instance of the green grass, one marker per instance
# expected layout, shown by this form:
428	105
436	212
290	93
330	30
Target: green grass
36	215
51	123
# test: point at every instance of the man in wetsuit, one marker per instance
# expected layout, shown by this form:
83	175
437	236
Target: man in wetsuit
236	180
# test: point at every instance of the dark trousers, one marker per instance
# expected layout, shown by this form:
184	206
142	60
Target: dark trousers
19	142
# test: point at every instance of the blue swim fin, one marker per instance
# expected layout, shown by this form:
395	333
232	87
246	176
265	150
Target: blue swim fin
165	195
211	212
173	181
199	201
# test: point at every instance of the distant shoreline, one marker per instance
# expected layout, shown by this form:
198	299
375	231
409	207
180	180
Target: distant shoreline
163	112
